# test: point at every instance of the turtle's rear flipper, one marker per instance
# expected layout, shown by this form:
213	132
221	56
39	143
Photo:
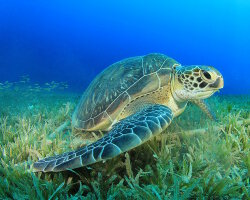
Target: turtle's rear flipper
203	105
125	135
59	129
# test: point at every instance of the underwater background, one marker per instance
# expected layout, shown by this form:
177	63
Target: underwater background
51	50
74	40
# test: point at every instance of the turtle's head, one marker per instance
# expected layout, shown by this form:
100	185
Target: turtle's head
195	82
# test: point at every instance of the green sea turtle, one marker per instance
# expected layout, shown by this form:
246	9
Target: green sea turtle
134	100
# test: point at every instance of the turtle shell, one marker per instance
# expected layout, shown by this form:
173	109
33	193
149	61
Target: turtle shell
117	85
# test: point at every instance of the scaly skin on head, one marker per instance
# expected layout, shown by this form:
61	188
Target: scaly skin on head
195	82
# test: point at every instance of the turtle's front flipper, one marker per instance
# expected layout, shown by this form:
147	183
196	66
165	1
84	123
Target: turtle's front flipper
125	135
205	108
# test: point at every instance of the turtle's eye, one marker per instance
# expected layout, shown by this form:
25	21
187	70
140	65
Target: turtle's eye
206	75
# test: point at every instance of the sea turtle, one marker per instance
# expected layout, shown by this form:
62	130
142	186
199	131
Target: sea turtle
134	100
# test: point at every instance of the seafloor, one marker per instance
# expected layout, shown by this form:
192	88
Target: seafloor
194	159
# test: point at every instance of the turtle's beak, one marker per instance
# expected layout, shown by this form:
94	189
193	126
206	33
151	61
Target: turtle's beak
218	84
221	84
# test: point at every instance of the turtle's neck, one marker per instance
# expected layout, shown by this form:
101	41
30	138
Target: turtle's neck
176	106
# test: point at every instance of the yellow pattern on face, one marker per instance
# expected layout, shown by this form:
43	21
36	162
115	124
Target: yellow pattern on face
196	82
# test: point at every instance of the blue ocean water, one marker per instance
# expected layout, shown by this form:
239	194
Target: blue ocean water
73	41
